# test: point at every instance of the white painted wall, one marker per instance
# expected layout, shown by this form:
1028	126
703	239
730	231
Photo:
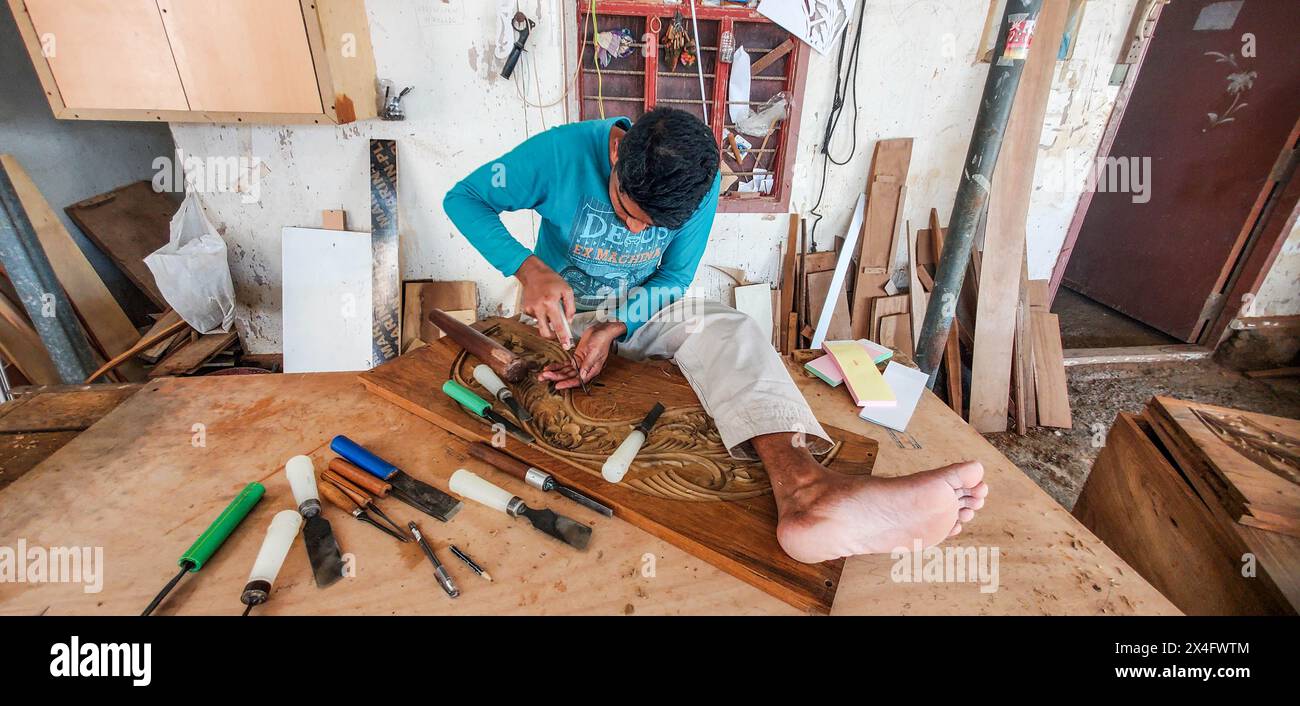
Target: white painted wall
917	78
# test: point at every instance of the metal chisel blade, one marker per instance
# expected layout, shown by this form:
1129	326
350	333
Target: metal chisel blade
583	500
424	497
323	551
571	532
511	429
516	408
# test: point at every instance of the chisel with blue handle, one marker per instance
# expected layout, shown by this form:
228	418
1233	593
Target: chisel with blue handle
417	494
483	408
212	538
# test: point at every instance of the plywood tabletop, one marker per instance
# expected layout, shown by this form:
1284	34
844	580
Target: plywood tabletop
145	480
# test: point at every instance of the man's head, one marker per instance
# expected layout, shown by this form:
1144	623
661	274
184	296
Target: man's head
663	166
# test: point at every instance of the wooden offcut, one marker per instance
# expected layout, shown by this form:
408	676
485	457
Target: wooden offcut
192	356
728	520
1247	463
1004	239
1051	389
886	188
22	346
128	223
1140	504
104	319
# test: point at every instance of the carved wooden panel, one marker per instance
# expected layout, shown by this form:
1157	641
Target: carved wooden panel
1246	462
684	487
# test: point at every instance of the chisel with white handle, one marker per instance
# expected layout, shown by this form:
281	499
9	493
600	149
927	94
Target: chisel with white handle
489	380
275	547
322	547
469	485
618	462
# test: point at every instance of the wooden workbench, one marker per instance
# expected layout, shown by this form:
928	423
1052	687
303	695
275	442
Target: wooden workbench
146	479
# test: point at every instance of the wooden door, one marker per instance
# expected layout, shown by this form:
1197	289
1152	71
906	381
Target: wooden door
1216	98
248	56
108	54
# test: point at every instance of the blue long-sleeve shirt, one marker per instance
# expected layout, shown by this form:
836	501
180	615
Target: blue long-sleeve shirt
563	175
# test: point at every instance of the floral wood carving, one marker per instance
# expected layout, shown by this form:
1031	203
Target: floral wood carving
683	458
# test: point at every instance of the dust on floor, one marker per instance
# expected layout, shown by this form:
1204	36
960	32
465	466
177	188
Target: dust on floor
1059	459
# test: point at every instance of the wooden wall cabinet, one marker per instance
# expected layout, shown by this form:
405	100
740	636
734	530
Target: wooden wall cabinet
233	61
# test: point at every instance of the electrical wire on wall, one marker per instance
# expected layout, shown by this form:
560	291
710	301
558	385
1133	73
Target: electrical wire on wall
844	82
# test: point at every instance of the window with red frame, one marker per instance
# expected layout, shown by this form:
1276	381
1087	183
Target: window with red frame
645	79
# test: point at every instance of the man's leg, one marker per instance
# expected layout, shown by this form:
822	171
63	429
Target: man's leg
745	387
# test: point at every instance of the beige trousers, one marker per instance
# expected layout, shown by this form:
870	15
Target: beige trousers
737	374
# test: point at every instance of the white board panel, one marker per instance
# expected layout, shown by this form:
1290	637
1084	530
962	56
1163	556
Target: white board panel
326	289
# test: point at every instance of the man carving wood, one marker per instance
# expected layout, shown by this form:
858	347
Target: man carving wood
626	211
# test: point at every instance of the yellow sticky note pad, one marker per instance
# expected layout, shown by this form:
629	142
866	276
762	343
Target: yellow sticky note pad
863	379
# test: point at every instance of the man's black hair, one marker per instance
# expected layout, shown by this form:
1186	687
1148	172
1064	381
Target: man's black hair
666	163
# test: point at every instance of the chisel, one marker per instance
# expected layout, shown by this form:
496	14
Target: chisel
350	506
535	477
275	547
468	484
618	462
439	571
212	538
489	380
358	485
322	547
417	494
483	408
568	350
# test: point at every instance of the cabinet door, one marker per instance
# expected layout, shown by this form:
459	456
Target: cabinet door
108	54
248	56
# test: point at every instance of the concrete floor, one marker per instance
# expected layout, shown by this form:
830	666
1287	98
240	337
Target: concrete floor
1059	460
1088	324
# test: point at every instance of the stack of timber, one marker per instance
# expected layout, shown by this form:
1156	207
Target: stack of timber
1204	502
104	342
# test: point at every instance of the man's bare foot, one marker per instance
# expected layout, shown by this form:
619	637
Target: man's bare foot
823	515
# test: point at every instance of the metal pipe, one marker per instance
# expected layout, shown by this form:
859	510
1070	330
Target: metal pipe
39	289
976	178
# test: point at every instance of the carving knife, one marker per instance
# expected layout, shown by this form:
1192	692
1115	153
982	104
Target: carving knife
489	380
470	485
212	538
417	494
535	477
439	571
618	462
275	547
483	408
350	506
322	547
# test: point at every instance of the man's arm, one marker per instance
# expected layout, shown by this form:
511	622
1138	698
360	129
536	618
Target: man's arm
511	183
676	268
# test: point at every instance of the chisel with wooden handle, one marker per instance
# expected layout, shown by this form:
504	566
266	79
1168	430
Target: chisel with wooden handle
275	547
345	503
535	477
212	538
489	380
322	548
345	477
417	494
470	485
618	462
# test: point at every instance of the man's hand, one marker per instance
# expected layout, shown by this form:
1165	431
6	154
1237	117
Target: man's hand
592	353
547	298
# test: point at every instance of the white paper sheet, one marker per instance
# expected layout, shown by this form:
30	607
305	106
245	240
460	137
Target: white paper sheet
907	384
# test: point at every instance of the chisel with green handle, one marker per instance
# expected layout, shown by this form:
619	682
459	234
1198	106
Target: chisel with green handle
212	538
483	408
